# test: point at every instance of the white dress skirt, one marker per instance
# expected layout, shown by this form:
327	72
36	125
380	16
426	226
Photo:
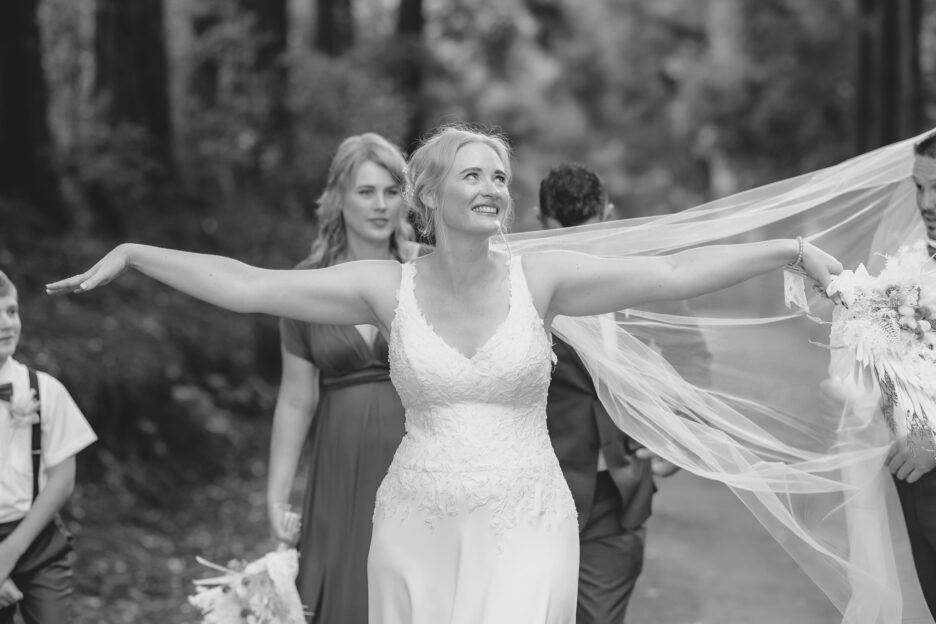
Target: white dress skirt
474	522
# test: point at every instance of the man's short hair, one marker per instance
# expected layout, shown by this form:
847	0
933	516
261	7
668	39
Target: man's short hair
572	194
6	285
926	146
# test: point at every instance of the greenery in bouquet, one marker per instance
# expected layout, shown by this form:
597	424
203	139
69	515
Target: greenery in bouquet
889	320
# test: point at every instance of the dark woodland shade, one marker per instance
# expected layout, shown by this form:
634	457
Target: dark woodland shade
889	98
6	285
927	146
26	148
334	33
132	68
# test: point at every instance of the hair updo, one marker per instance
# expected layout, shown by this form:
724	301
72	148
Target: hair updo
429	165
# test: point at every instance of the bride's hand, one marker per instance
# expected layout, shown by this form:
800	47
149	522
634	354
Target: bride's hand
819	265
107	269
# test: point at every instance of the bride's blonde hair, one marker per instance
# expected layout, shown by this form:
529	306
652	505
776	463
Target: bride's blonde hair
429	165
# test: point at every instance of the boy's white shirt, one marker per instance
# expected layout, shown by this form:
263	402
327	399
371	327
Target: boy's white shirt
65	432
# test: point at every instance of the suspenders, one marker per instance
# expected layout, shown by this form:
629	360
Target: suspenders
36	434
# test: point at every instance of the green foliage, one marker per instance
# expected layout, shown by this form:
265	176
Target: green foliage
754	105
177	390
331	99
674	105
672	102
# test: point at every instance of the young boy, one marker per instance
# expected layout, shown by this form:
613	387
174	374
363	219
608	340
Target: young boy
40	434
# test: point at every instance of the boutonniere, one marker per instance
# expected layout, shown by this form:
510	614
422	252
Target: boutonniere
24	410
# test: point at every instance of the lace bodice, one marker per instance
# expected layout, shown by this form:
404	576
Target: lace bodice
475	427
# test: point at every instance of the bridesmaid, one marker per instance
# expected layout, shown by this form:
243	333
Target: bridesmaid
336	380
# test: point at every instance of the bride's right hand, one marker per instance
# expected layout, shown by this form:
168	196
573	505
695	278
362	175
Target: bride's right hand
819	265
107	269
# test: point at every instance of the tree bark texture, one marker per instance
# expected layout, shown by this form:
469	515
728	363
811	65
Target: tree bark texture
26	151
131	64
889	104
410	26
334	27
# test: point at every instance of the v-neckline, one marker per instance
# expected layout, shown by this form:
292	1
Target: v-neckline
484	345
371	348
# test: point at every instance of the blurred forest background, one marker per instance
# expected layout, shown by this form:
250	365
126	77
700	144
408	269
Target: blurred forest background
208	125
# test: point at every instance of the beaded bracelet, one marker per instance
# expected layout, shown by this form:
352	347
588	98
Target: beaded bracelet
799	254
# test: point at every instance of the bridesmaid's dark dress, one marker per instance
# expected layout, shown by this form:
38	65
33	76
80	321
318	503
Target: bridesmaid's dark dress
357	427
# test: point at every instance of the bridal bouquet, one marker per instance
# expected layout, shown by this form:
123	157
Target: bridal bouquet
889	323
260	592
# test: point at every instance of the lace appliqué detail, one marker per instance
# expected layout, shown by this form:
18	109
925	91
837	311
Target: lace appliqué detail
475	427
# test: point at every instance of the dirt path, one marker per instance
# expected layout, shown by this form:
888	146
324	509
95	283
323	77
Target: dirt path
710	562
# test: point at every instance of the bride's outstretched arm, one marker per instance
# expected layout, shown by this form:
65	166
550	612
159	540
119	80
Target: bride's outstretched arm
339	295
578	284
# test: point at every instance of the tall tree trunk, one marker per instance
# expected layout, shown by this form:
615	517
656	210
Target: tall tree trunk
334	27
270	26
911	93
725	26
271	29
132	68
551	20
889	104
204	77
26	169
410	26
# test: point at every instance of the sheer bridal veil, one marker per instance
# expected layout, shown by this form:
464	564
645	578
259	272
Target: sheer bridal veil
810	470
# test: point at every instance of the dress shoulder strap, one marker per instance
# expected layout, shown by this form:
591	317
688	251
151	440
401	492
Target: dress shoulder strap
519	290
405	294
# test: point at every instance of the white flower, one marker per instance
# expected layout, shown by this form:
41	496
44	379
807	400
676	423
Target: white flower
260	592
846	283
908	321
24	410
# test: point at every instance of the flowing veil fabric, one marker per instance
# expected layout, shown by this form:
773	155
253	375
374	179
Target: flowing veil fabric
810	469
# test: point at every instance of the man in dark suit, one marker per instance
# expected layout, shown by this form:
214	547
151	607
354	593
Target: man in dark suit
610	475
911	465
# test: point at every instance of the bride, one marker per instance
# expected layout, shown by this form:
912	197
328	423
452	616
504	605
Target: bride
474	522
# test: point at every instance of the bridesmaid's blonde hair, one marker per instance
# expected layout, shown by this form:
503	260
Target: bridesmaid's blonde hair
332	239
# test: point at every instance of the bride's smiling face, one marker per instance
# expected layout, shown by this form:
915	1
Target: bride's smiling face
473	197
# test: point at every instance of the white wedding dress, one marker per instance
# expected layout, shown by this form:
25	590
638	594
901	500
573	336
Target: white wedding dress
474	522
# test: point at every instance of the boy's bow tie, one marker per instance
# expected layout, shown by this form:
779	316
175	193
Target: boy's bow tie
6	392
